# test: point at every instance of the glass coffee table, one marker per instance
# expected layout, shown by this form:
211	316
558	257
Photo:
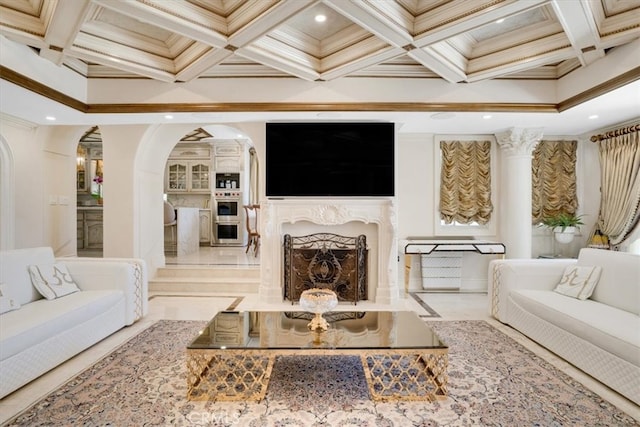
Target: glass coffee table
232	357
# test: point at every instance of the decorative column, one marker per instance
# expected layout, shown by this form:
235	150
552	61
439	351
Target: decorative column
515	203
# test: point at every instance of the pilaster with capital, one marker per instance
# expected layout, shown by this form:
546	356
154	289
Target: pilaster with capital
517	145
518	141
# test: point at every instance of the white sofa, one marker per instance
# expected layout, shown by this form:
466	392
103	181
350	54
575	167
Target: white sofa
42	333
599	335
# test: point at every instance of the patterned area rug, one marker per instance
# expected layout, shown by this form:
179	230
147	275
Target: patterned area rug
493	381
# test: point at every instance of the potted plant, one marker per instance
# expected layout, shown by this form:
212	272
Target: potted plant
563	225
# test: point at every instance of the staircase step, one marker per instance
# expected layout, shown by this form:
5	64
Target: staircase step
200	278
215	271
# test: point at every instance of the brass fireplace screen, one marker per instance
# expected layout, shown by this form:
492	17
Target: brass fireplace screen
326	261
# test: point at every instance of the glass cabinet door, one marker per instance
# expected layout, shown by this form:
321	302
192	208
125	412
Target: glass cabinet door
199	177
177	177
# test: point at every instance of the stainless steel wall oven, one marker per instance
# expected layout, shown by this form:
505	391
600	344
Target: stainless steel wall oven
228	229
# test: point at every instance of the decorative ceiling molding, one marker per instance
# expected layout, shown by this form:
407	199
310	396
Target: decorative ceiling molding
458	41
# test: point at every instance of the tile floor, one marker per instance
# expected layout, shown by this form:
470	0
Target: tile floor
450	306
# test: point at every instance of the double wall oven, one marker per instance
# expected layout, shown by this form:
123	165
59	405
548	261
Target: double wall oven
228	228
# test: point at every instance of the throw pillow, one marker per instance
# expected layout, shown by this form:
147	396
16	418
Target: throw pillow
52	280
579	281
6	302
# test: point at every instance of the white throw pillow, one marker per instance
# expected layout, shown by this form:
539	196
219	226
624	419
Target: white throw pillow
579	281
6	302
52	280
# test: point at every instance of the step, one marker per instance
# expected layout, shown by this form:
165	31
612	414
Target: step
206	279
209	271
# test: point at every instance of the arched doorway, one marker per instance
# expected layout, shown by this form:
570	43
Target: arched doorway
211	170
89	182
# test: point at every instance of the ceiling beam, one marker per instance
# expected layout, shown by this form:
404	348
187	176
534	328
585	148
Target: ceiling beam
438	62
268	21
580	27
259	53
444	29
62	29
199	30
380	56
200	65
372	20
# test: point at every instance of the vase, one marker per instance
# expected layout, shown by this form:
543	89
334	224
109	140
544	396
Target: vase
565	236
318	301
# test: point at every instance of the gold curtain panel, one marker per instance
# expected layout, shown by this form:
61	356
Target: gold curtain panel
553	179
465	182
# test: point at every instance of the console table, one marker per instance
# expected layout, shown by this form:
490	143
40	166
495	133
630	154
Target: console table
431	246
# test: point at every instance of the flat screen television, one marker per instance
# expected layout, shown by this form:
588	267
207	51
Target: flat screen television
330	159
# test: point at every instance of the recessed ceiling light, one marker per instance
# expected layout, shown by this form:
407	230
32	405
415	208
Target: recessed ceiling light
168	117
51	118
320	18
443	116
239	135
487	116
593	117
500	21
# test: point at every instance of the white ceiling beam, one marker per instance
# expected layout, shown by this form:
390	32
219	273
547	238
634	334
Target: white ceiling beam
199	66
368	61
439	64
122	64
580	27
101	51
464	24
167	21
266	57
268	21
65	23
372	20
522	65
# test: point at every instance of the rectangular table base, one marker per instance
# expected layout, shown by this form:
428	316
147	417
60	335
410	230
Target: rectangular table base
234	375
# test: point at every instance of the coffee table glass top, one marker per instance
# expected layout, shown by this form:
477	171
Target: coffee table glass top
289	330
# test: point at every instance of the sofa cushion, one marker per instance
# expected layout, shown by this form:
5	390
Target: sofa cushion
579	281
14	271
43	319
52	280
609	328
619	284
7	302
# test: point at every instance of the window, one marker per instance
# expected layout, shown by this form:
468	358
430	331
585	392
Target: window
466	186
553	180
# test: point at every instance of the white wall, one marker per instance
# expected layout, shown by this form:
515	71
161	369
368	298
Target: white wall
135	156
26	150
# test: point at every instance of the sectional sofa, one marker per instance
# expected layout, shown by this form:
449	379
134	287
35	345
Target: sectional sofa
54	308
586	310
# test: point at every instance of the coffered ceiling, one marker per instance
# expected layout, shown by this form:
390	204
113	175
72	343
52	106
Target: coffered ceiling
456	40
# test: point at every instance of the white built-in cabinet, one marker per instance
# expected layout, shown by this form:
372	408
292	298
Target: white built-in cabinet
189	170
227	157
90	228
205	225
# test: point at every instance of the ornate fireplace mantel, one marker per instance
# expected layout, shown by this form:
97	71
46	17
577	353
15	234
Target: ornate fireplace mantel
306	214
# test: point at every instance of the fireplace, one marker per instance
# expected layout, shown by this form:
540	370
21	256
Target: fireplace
325	261
374	218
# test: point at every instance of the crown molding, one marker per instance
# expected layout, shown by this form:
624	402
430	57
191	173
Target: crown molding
43	90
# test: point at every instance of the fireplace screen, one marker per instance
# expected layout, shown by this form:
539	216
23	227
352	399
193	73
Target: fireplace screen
326	261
